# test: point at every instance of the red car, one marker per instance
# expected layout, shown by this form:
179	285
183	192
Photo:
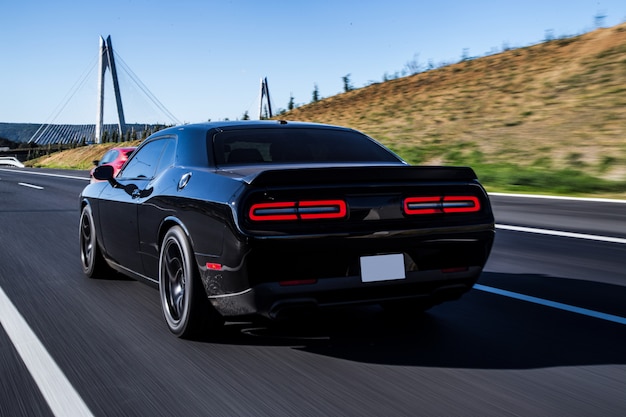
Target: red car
116	157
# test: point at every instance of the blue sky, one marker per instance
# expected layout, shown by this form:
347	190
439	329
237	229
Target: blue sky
204	59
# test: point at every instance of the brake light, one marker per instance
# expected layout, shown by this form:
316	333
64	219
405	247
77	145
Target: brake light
441	204
274	211
422	205
460	204
322	209
298	210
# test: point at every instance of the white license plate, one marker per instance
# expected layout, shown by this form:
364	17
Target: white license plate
382	267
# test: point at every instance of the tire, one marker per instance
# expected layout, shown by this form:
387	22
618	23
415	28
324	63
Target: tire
185	306
92	261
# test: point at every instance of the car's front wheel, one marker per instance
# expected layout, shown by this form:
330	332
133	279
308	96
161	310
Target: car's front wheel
93	263
185	305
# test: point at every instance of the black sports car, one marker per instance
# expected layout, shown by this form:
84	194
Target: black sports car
241	219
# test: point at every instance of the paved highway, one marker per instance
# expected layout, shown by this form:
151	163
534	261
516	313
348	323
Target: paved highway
543	334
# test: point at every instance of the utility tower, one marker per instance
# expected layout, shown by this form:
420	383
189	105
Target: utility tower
105	61
265	92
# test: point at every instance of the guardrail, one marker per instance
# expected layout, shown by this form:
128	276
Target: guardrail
11	161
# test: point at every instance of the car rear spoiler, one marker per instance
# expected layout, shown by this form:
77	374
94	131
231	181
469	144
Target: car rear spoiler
359	175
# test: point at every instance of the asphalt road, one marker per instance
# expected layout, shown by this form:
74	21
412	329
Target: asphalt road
487	354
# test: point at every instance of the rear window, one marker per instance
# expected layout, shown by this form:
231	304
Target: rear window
285	146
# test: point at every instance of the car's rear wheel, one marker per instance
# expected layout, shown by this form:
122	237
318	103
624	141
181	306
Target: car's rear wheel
93	263
185	305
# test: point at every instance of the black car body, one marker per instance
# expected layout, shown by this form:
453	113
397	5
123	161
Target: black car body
236	219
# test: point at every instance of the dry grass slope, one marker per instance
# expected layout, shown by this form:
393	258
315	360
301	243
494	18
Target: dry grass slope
556	105
78	158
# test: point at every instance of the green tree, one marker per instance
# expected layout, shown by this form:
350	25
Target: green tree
291	105
245	116
316	94
347	84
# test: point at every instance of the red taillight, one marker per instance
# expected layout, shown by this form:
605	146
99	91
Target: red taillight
322	209
460	204
274	211
295	210
214	266
441	204
422	205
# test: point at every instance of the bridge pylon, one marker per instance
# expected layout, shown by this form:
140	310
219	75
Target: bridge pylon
107	60
265	93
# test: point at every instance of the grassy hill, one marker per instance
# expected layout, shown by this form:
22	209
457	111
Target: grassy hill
550	116
78	158
544	118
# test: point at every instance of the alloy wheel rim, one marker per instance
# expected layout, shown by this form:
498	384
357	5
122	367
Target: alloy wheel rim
86	244
174	271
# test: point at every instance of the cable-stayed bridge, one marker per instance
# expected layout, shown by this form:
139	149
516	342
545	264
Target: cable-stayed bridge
64	134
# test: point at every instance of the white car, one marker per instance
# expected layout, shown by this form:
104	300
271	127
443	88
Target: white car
11	161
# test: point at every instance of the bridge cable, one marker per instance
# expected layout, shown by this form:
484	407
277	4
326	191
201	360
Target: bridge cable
75	88
145	89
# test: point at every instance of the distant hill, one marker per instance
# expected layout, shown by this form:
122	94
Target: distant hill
558	105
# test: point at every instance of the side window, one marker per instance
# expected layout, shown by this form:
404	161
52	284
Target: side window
145	161
169	155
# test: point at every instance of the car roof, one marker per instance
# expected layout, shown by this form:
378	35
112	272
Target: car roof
198	132
245	124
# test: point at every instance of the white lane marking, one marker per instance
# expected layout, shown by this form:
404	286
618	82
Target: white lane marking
58	392
558	197
561	233
553	304
24	184
46	174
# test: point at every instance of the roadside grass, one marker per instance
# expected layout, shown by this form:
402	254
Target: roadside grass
515	178
538	178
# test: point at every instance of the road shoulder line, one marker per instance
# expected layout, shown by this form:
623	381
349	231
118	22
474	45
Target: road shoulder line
559	233
45	174
553	304
559	197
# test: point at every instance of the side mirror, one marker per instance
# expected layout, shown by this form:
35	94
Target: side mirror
96	162
103	173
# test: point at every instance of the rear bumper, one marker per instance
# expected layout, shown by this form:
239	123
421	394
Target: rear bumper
275	300
272	276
